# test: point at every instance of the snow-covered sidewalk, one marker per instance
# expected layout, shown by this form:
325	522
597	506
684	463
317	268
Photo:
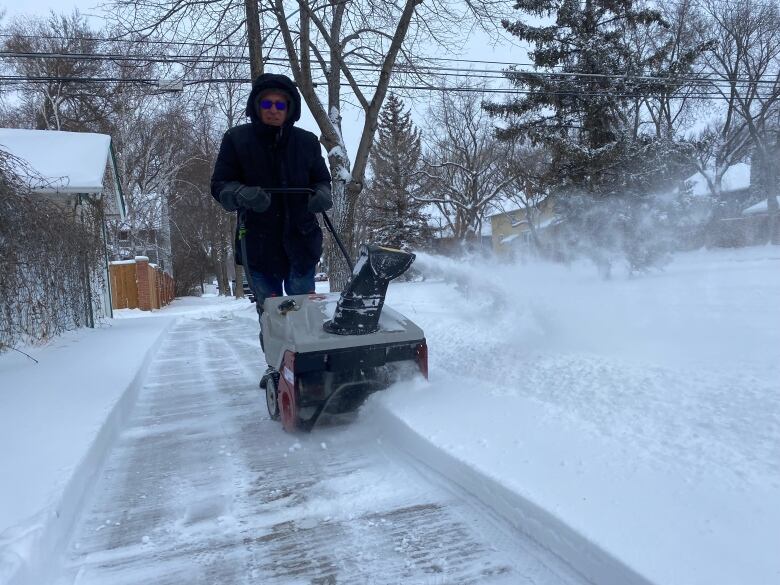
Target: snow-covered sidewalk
202	488
59	418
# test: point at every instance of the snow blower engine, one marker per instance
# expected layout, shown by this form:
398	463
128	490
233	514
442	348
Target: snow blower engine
328	352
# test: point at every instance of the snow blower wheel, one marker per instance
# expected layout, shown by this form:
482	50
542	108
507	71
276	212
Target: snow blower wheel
272	397
288	408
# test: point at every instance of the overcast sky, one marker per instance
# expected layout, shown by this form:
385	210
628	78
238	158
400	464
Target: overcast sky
478	47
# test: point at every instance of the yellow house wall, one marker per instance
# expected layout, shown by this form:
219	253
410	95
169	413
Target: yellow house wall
502	228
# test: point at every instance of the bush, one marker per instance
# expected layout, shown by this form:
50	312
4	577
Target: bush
51	259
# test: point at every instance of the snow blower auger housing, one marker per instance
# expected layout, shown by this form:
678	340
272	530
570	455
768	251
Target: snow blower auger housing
328	352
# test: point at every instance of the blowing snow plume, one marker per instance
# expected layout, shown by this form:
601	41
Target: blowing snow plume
488	307
640	232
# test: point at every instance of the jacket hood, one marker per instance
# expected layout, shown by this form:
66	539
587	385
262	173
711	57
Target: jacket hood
268	81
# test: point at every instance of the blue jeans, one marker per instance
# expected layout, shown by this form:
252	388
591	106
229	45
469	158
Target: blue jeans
270	285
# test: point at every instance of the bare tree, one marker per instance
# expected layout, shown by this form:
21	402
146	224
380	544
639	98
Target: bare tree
464	163
150	139
334	42
748	57
202	232
228	100
746	60
360	45
672	54
530	168
52	102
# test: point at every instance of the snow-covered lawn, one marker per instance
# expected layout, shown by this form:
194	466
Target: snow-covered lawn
643	414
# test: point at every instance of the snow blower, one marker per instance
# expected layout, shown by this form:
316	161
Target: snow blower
327	353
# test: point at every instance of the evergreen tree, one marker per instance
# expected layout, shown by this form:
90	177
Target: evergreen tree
601	67
392	216
580	106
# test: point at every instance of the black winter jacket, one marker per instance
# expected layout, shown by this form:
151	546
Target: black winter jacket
286	235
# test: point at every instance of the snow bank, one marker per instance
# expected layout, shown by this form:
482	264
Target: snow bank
58	419
508	497
630	426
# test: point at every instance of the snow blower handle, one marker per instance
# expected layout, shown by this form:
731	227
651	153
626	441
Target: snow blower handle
328	224
244	256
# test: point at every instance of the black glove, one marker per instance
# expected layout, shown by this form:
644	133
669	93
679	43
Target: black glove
321	200
254	198
228	196
236	195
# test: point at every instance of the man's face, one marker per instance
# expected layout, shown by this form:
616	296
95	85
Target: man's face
273	116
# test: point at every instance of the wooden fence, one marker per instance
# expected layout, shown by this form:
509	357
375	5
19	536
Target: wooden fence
135	284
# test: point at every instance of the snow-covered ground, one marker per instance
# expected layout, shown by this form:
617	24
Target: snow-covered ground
203	488
61	410
643	413
629	427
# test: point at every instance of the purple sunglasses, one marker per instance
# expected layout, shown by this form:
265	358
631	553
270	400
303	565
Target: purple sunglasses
280	105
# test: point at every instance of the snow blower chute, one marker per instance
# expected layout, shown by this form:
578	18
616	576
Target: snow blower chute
328	352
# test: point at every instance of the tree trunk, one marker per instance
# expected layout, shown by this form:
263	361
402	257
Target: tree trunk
773	217
253	33
773	213
222	276
345	194
766	179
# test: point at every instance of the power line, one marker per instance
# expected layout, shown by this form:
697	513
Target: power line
210	46
20	80
722	3
705	78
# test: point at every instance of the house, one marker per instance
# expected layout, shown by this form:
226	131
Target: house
728	225
70	168
755	222
513	232
734	188
445	243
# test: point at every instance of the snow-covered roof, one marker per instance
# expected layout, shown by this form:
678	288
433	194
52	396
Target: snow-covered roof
518	218
63	162
67	162
759	208
503	212
736	177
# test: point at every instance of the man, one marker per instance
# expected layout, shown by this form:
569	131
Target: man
283	237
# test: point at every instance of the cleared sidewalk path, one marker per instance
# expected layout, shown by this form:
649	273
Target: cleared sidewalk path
202	488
